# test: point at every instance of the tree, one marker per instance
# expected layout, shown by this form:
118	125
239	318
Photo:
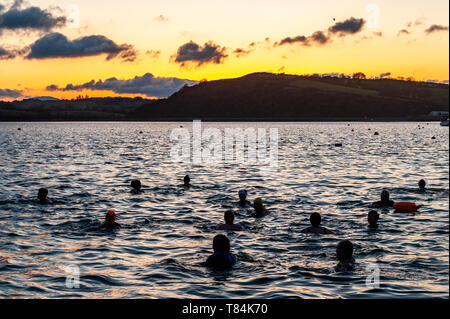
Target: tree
359	76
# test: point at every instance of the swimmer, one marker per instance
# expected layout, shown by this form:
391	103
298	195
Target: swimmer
385	201
260	210
372	219
187	181
222	258
42	196
422	184
136	187
344	253
243	198
229	222
315	227
110	221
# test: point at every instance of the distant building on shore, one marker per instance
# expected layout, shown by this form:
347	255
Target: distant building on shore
438	113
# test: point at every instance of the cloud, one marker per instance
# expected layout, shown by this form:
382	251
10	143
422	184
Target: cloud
436	28
349	26
317	37
32	18
403	31
384	75
147	84
416	23
7	93
161	18
241	52
191	52
6	54
153	54
56	45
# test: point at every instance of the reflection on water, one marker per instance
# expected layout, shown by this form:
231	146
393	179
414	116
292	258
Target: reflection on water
167	231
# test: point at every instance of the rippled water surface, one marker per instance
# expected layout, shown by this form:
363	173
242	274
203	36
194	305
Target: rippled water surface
167	231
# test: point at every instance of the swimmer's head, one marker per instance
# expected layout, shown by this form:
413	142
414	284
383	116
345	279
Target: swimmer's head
344	250
315	219
221	244
136	184
110	217
385	195
187	180
242	194
229	217
372	218
258	204
42	193
422	183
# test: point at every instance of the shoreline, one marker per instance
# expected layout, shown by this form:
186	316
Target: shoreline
243	120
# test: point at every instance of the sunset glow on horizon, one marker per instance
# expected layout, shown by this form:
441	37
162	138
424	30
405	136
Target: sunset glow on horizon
79	45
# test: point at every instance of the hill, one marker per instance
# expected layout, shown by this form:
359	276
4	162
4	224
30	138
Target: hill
266	96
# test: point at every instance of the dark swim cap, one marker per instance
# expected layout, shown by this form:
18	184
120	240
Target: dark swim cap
315	219
136	184
221	243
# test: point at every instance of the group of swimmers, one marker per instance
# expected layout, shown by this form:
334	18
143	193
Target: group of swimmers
222	257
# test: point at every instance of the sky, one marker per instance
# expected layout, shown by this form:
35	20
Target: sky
153	48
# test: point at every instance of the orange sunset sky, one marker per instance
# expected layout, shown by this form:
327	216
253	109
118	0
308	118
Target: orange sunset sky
46	45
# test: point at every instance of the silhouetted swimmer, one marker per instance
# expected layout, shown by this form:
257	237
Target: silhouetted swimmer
229	222
222	258
422	184
344	253
372	218
110	221
187	181
42	196
385	201
243	198
260	210
136	187
315	227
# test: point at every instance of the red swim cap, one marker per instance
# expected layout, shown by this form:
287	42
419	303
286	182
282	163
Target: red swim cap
111	214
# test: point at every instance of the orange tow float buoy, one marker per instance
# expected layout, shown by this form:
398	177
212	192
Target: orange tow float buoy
406	207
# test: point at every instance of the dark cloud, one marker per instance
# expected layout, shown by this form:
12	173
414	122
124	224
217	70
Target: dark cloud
317	37
32	18
6	54
56	45
147	84
298	39
191	52
349	26
403	31
241	52
436	28
384	75
11	94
